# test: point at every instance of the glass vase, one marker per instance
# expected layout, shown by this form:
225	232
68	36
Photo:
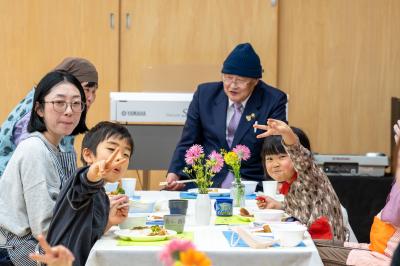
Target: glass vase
237	194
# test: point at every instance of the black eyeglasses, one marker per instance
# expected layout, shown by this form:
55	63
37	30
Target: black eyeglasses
61	106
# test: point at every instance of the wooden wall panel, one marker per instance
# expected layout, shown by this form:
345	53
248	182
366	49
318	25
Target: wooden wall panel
339	61
172	45
37	35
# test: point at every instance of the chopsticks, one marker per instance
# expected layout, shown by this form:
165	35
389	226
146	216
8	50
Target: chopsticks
178	181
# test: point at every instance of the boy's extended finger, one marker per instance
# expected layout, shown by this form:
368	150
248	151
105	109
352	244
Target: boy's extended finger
111	158
119	162
39	257
43	243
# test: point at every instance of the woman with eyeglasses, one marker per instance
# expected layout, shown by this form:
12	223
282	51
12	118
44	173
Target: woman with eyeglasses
33	177
14	128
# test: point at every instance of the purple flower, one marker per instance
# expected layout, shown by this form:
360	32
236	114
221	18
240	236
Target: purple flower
193	153
242	151
217	161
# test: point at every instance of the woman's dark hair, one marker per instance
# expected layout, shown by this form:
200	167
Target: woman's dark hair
46	84
273	144
103	131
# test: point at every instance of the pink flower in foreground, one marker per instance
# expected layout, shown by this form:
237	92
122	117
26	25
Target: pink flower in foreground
193	153
242	151
175	246
217	161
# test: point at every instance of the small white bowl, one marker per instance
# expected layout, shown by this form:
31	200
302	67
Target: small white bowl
141	206
268	215
134	220
288	235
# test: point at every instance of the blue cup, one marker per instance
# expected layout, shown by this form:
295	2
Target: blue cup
223	206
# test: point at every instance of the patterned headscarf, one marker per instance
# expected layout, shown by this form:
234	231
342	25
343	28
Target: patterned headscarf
81	68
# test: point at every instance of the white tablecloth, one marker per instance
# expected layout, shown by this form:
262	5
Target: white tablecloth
208	239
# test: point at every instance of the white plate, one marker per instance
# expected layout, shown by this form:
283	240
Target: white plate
213	191
142	235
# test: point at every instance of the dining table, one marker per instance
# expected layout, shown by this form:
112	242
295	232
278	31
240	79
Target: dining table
217	241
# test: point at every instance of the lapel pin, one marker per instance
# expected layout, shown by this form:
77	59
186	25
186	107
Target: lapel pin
250	117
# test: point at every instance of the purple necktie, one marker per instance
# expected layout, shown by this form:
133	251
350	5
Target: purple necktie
232	126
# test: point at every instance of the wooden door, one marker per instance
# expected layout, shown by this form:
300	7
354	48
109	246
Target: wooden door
173	45
339	61
37	35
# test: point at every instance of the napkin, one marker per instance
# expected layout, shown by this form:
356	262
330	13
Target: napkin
184	235
241	243
232	220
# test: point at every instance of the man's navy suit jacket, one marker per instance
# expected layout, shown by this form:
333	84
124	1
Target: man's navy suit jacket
206	125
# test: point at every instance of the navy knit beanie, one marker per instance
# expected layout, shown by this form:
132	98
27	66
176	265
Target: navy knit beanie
243	61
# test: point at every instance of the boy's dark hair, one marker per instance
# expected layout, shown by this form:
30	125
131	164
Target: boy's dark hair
103	131
46	84
273	144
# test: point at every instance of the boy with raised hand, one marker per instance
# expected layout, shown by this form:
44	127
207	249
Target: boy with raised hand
83	211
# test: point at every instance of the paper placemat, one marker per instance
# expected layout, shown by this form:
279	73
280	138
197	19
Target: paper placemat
184	235
191	195
232	220
241	243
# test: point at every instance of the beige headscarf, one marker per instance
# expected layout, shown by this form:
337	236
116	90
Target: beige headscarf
81	68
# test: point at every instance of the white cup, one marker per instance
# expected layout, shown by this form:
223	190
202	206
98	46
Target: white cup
129	184
110	187
270	187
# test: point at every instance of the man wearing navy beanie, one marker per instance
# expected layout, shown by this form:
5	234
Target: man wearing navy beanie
221	116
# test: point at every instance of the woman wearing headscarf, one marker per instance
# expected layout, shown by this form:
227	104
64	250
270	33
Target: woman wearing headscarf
14	128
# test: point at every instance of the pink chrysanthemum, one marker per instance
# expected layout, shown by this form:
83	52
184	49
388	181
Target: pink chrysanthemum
242	151
217	161
193	153
167	255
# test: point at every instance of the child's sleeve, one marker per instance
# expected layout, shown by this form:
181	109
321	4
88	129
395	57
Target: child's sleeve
82	190
391	211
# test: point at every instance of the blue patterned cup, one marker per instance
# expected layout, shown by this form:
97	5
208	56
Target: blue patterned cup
223	206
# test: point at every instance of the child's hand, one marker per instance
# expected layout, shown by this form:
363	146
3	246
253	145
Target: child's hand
54	256
100	169
261	202
119	208
266	202
277	127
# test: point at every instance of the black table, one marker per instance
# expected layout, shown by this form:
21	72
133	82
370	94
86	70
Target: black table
363	197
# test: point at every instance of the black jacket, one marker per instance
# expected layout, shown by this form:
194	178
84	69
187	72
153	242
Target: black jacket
80	215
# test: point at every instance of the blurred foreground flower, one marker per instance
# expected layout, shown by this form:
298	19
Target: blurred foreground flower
181	252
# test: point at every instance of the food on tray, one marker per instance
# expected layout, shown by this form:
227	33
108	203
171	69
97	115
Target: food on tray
139	227
265	229
213	190
157	230
118	191
156	217
244	212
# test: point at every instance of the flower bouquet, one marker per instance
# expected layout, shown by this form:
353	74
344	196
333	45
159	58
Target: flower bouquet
202	169
180	252
234	159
